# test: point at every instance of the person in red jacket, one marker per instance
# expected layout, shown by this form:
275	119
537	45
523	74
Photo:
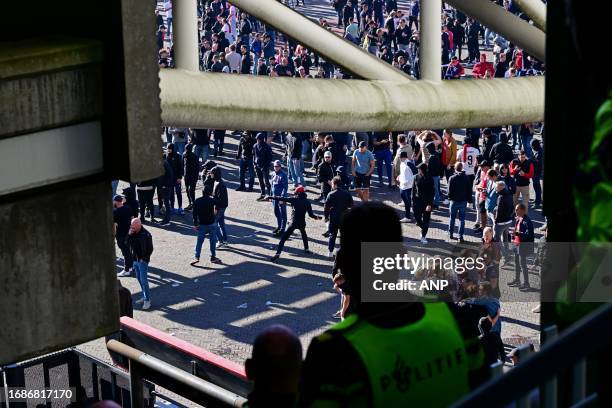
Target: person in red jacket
481	68
522	170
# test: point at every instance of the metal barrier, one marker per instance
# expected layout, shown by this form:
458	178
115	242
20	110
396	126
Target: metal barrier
143	366
569	350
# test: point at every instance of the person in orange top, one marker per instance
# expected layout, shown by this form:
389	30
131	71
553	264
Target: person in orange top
481	68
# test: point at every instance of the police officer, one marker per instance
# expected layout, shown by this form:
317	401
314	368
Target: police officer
389	354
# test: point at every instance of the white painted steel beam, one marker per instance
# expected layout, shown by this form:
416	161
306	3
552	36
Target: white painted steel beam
431	40
536	10
332	47
185	34
223	101
511	27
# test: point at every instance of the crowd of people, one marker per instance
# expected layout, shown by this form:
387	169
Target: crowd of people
488	171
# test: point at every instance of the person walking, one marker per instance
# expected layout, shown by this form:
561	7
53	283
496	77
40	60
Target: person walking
325	173
122	218
523	246
362	168
204	212
338	201
191	171
301	206
262	157
245	155
422	199
459	194
280	186
221	203
405	179
140	243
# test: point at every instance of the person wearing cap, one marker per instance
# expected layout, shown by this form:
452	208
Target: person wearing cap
301	206
422	199
362	168
280	185
122	217
325	173
262	157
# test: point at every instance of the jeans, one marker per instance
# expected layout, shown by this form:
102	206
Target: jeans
247	165
526	141
114	185
211	230
500	234
520	265
179	195
296	171
537	187
280	212
436	181
202	152
383	156
142	272
407	199
125	251
180	147
220	219
457	208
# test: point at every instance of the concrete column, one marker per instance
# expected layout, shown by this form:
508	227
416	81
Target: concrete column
431	40
536	10
185	31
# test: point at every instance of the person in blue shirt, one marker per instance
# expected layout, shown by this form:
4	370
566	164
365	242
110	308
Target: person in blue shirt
491	303
279	189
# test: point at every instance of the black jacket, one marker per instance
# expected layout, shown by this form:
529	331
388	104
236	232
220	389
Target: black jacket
537	163
423	189
501	153
220	194
201	137
459	187
245	148
192	167
325	172
140	245
203	211
167	179
337	203
301	207
504	210
262	154
176	162
489	142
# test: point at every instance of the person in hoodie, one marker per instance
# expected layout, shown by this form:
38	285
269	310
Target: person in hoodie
301	206
245	154
434	167
146	190
280	185
262	157
422	199
325	173
501	152
192	169
221	203
165	184
488	143
176	161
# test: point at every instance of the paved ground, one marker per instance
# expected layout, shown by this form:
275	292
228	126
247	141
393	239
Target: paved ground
223	307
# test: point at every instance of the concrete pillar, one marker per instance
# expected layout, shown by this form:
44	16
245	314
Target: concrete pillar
536	10
186	49
431	40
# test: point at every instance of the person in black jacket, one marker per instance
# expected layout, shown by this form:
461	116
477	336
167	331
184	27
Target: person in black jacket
523	246
459	194
192	170
130	199
204	214
262	157
422	199
146	190
537	159
165	184
325	173
501	152
140	243
491	343
245	154
176	161
301	206
504	212
337	203
221	203
488	143
201	140
435	170
219	141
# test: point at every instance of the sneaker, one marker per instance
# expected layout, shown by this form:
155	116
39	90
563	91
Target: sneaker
461	240
307	251
123	273
405	220
337	315
275	230
261	198
165	222
194	261
146	305
274	258
189	207
446	202
423	240
326	234
524	286
451	236
140	301
514	283
536	309
278	233
330	254
215	260
221	244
